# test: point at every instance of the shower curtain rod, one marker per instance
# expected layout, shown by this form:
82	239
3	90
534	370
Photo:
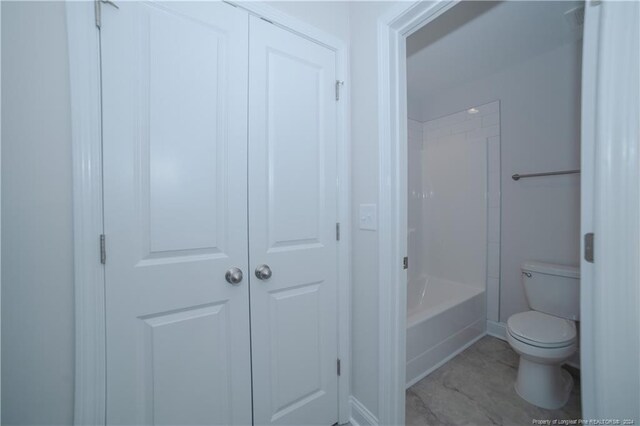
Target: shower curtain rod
563	172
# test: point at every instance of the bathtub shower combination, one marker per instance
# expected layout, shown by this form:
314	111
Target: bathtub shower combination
453	235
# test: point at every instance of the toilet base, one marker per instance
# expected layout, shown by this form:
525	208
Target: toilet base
545	385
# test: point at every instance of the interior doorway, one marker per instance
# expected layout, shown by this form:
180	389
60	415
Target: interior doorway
393	31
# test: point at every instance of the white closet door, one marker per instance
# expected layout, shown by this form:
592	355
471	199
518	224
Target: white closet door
175	197
292	220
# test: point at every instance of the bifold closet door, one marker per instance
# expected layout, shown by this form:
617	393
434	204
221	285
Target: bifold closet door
292	227
175	213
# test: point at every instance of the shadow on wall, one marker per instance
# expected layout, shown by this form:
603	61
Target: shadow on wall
465	12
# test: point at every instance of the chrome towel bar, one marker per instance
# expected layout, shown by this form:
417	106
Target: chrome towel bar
563	172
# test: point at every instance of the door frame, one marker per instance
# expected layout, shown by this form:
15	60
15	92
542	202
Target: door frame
611	166
393	30
83	42
610	208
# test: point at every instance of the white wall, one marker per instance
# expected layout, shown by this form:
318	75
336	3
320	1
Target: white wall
37	287
540	131
329	16
37	292
417	267
364	147
454	161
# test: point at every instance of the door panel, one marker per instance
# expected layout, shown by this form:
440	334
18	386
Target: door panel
292	215
179	351
183	124
294	204
175	188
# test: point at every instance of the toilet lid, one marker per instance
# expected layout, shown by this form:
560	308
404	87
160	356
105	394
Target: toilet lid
539	329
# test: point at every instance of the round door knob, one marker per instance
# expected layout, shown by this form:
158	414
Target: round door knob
263	272
233	275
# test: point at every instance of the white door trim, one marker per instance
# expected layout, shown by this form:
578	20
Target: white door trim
393	29
86	130
84	68
587	183
610	287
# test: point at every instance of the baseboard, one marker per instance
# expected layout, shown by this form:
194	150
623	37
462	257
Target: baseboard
573	363
497	329
360	415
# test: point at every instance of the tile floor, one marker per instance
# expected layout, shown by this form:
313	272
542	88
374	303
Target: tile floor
476	388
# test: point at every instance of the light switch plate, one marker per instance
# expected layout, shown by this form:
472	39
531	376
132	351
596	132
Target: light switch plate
368	217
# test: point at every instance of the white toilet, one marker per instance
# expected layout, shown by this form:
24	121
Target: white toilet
545	337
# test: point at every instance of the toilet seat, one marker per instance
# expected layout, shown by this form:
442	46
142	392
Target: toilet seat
542	330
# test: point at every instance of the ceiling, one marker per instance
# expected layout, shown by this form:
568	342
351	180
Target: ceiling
478	38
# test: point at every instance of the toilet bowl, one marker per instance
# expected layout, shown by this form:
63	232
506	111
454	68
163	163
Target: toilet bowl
545	337
544	343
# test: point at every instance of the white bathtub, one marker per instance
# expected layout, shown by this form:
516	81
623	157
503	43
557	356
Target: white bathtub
443	318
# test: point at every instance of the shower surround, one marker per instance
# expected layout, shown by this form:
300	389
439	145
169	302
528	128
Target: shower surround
453	235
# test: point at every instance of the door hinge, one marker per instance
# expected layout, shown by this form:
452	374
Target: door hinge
338	84
98	10
103	249
337	231
338	366
405	263
588	247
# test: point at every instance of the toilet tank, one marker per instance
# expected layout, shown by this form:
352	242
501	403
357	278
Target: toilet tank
552	289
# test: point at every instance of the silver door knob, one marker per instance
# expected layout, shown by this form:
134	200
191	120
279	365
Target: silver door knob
233	275
263	272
